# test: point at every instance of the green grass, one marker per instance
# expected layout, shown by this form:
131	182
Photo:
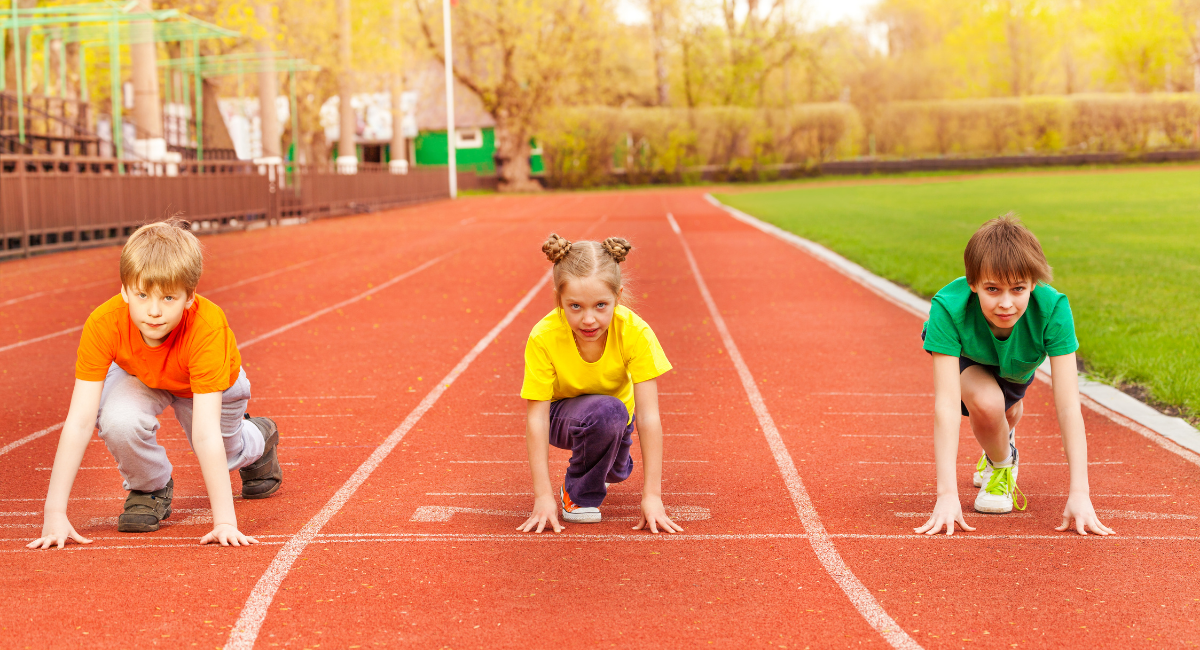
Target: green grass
1125	247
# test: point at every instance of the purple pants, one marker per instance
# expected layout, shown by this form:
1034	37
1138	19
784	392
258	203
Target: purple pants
598	431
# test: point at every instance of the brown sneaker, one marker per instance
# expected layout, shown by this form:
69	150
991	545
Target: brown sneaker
264	477
144	510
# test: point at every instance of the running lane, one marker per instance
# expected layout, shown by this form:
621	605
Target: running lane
425	554
843	372
334	384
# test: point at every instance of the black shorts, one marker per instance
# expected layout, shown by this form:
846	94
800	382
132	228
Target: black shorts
1013	392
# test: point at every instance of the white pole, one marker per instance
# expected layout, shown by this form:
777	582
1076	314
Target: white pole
450	134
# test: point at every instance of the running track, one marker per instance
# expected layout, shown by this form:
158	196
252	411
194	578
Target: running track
388	347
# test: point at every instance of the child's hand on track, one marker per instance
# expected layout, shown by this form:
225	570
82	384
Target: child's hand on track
545	511
227	535
946	512
654	516
1079	509
56	530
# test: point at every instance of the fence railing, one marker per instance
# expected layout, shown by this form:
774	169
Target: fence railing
52	203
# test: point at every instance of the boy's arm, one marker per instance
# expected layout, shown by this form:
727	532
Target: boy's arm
1063	375
537	443
210	452
649	428
947	418
72	443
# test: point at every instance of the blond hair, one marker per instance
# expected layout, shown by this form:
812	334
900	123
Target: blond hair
162	255
585	259
1004	250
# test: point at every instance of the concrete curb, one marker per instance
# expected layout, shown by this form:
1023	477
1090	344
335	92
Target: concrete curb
1171	433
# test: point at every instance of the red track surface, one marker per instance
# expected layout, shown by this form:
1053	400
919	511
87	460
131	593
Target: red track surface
840	371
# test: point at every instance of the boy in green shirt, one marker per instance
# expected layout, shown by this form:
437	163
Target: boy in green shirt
988	332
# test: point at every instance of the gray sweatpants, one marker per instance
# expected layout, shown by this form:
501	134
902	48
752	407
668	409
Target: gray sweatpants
128	423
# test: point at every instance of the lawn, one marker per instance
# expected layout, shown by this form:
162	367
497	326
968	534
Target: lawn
1125	247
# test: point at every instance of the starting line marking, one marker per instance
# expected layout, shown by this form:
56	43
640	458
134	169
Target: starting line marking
316	397
576	538
445	513
826	552
254	612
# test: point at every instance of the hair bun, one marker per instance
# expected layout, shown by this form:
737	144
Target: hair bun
617	247
556	248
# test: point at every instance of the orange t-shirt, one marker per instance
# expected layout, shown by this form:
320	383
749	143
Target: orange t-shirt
199	356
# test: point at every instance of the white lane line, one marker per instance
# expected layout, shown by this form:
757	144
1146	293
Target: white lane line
269	274
826	552
876	394
30	438
343	415
207	293
529	494
929	437
922	413
1134	514
115	497
348	301
18	344
320	397
446	513
1040	494
20	514
47	469
575	538
930	462
926	514
665	460
254	612
52	292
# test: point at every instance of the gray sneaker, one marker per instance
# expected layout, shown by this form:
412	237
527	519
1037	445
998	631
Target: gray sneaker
263	478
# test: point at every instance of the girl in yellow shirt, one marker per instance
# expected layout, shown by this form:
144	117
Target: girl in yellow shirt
590	368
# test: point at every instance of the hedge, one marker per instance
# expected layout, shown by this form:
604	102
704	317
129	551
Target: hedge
585	146
589	146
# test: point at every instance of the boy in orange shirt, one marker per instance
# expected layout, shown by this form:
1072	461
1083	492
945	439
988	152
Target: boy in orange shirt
158	344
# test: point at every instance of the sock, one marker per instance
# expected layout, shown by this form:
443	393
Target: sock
1008	459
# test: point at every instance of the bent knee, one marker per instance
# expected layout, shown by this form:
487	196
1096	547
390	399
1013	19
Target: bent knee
122	424
986	406
609	415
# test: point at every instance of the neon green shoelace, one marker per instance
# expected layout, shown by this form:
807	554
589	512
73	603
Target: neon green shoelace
1004	483
982	464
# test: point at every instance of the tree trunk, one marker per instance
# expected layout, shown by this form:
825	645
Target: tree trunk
347	151
268	88
658	27
512	154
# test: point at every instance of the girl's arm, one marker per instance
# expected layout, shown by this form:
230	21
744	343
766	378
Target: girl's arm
649	428
1063	375
210	453
947	418
537	442
72	443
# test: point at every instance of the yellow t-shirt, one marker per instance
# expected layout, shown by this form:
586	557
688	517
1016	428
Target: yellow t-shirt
554	370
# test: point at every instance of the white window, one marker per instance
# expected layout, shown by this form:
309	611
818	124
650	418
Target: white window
468	138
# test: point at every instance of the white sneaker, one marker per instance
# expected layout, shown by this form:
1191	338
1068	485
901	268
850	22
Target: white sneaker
982	471
575	514
996	496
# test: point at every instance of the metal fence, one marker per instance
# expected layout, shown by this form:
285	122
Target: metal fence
53	203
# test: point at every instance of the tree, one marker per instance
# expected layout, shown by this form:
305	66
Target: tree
518	57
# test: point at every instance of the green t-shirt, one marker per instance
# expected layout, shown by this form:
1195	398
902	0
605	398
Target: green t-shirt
957	327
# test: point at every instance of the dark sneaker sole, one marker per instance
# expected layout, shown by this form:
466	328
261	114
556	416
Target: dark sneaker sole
139	527
273	490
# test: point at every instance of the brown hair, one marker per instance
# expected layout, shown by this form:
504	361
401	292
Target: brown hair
1004	250
584	259
162	255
